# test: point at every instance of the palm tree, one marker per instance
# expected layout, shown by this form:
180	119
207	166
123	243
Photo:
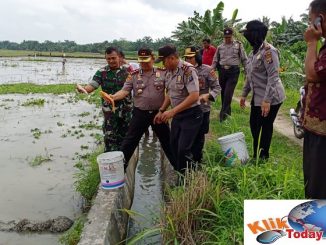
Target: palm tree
210	25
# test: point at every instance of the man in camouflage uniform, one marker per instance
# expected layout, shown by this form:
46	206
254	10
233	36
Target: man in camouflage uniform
111	78
227	59
209	88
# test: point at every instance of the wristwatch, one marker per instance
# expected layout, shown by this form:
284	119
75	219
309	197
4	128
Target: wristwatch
161	110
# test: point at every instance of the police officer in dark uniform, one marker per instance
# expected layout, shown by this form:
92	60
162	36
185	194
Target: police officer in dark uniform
209	89
183	94
148	87
111	79
227	59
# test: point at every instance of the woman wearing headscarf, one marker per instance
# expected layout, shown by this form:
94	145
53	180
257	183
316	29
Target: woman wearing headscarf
266	86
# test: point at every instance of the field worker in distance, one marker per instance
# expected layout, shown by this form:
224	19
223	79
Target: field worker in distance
314	117
227	59
183	94
209	88
266	86
111	78
148	87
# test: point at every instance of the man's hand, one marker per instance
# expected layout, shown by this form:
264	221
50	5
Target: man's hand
157	118
167	115
265	108
243	102
81	89
204	98
312	34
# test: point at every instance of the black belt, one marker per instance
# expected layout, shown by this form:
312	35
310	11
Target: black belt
226	67
146	111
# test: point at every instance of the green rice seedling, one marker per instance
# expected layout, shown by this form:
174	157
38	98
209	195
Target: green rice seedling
34	102
38	160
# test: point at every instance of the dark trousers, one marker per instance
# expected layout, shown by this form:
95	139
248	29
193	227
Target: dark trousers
184	129
197	148
228	80
314	165
265	124
139	123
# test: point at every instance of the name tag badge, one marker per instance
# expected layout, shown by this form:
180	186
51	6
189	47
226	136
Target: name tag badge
158	74
179	78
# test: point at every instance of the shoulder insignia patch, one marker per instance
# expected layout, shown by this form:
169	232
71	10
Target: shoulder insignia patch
213	74
267	46
129	77
268	56
186	70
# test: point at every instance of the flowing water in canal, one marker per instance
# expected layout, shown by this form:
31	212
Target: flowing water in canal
148	189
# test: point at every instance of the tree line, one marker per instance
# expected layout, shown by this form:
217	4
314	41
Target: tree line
72	46
287	34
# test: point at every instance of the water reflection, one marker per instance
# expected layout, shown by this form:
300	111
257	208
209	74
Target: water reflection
148	191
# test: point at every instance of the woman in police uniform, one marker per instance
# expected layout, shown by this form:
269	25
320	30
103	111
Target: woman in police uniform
266	86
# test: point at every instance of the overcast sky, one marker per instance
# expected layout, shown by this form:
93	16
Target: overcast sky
88	21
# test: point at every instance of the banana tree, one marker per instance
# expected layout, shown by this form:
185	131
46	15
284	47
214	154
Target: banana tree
210	25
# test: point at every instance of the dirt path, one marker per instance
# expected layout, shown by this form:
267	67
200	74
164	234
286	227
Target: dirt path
283	125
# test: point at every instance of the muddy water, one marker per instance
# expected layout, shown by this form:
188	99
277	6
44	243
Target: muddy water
45	191
48	70
148	190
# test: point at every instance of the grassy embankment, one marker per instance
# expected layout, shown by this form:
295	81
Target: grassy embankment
209	208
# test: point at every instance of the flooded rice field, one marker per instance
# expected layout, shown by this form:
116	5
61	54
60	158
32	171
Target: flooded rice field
40	144
43	136
47	70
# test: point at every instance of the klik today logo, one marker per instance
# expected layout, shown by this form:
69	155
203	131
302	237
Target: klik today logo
284	222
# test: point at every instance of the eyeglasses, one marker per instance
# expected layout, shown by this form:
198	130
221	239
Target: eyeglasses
189	58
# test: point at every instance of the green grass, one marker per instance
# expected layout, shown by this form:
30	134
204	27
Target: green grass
88	177
34	102
130	55
18	53
279	178
221	221
38	160
291	91
31	88
26	88
72	236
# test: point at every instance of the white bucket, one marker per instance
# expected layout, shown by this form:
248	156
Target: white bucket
111	169
234	148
